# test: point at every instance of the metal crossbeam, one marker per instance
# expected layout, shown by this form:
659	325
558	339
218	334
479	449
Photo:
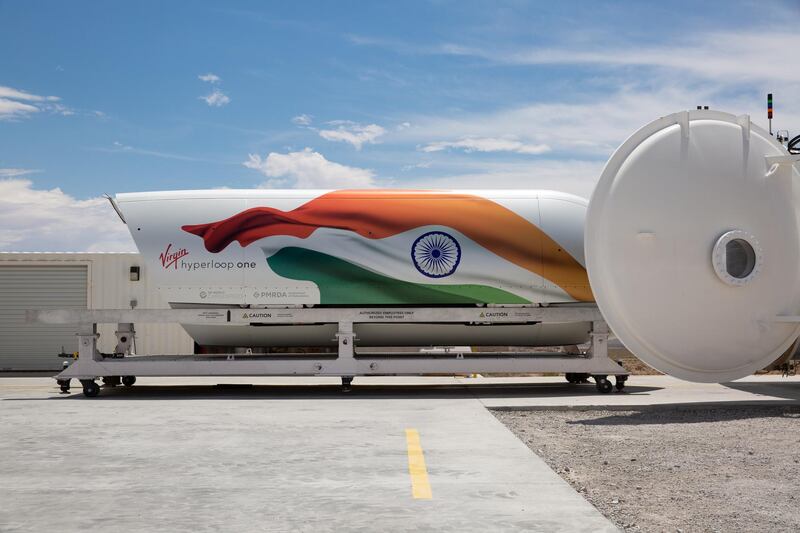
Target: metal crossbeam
476	315
347	362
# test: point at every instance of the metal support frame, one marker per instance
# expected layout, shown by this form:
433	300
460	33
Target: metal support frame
125	334
87	343
91	364
599	339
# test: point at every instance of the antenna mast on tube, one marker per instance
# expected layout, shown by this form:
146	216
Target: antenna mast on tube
769	111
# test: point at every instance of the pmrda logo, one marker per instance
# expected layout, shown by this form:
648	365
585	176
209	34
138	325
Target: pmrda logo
170	258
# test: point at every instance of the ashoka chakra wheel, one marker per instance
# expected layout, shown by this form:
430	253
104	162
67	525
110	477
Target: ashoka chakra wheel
436	254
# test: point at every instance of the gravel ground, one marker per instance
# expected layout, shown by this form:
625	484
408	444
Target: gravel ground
677	469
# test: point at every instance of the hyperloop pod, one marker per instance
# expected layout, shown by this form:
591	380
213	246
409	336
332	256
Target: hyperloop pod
689	246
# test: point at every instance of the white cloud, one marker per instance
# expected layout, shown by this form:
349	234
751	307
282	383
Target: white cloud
16	104
59	109
353	133
216	99
729	57
10	109
571	176
16	172
488	144
302	120
424	164
628	87
308	170
15	94
36	220
589	126
119	147
582	133
730	72
209	78
725	56
403	126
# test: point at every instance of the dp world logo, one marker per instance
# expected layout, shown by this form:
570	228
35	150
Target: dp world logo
436	254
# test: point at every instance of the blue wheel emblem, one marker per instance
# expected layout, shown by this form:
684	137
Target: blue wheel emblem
436	254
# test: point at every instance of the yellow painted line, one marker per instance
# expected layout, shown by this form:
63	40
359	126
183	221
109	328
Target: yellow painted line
420	487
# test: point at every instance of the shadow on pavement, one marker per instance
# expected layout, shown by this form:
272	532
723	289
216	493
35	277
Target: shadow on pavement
334	392
789	390
692	414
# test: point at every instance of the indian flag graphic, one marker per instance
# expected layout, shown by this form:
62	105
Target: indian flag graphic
374	247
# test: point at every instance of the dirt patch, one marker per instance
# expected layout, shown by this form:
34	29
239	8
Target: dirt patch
675	468
631	363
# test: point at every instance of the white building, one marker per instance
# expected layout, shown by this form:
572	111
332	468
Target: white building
80	281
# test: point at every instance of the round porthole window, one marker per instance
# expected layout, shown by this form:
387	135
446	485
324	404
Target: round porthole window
737	257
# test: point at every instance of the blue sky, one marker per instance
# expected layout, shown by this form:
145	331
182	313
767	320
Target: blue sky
110	97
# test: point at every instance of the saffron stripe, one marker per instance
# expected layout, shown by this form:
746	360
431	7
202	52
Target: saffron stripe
377	214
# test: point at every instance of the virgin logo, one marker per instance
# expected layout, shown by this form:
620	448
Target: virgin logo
170	259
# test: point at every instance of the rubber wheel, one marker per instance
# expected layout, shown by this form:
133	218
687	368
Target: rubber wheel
570	377
620	384
604	386
91	389
128	381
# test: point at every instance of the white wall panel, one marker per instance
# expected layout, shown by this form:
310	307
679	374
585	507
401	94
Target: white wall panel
109	287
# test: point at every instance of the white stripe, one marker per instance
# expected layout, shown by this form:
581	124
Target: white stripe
391	257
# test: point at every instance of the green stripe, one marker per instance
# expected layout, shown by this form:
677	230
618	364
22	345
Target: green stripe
343	283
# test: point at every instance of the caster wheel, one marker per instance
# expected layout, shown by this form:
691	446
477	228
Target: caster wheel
571	378
91	389
346	383
63	384
128	381
620	384
604	385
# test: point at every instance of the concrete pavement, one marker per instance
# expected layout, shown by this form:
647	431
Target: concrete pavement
287	458
640	391
297	454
